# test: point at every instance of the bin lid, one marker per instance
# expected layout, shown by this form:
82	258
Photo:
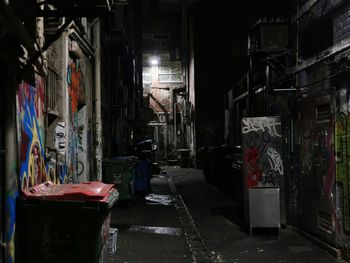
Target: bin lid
89	191
124	160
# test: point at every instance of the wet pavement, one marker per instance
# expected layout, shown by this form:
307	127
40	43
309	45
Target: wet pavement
185	219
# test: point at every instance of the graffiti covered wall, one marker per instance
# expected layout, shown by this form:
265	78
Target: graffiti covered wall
342	148
263	165
30	123
317	211
77	146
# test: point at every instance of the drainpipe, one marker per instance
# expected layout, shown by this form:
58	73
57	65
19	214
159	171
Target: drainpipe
184	11
40	38
267	87
175	119
98	117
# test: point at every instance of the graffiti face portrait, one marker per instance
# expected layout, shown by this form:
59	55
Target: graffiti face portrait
60	138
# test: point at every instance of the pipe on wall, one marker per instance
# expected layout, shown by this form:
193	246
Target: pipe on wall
98	114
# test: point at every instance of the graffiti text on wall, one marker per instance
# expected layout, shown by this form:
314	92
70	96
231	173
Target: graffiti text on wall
275	160
262	151
261	125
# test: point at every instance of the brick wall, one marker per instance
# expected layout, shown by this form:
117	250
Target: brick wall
341	24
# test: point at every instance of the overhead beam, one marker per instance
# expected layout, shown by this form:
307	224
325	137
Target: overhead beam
74	12
322	56
306	8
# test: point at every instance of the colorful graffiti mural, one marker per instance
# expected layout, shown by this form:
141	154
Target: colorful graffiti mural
342	149
75	127
75	88
262	151
30	104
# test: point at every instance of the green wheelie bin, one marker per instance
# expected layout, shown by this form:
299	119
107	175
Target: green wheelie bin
120	171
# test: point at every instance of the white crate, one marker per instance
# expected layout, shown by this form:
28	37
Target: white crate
112	241
101	259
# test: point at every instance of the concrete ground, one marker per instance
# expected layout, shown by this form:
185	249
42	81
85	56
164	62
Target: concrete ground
187	220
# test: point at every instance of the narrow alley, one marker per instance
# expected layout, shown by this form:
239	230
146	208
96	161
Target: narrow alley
154	131
156	229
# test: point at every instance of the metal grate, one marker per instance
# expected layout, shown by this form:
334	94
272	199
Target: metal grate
325	221
51	89
323	113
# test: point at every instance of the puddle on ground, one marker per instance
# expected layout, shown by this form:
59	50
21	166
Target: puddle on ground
171	231
154	199
300	249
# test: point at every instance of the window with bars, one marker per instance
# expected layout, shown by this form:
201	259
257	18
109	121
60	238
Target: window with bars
51	89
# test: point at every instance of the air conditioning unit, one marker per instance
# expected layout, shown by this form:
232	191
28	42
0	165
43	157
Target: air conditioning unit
268	37
273	36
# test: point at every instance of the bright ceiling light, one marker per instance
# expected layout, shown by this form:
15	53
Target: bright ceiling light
154	61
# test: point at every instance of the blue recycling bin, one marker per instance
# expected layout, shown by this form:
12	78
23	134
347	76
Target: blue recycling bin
142	176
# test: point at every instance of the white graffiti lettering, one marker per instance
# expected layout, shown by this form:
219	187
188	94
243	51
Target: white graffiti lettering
261	124
275	160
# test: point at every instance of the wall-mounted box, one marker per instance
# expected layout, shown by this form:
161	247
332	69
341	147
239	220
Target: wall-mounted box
264	207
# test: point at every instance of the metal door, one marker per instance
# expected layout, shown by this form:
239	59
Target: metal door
315	140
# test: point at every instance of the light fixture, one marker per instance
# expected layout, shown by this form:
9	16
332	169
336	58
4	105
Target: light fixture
154	61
